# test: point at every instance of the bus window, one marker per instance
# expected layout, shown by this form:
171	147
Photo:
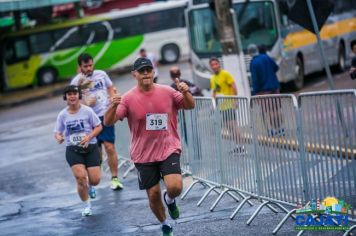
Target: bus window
128	26
203	31
68	38
94	33
41	42
9	53
256	23
161	20
155	21
16	50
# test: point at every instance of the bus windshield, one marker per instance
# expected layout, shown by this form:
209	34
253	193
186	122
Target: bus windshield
257	24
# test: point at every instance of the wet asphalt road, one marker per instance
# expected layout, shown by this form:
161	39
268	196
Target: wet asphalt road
38	194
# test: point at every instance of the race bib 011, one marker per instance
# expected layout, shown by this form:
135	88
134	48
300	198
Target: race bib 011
76	138
156	121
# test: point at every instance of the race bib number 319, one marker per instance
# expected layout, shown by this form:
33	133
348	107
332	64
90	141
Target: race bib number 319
156	121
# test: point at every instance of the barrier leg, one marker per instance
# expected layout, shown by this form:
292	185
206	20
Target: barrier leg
233	196
243	197
218	199
185	174
228	191
284	209
256	212
239	207
278	227
349	231
189	188
206	195
131	168
122	163
272	208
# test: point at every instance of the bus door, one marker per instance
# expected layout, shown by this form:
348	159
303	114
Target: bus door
18	71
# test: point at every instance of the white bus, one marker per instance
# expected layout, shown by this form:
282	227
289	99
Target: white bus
48	53
260	22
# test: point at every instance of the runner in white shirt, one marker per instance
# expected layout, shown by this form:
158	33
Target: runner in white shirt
97	90
78	126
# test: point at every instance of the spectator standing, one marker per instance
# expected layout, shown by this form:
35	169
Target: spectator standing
223	84
175	73
263	72
264	81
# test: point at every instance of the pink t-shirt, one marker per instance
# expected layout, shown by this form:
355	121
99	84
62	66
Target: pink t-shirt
152	119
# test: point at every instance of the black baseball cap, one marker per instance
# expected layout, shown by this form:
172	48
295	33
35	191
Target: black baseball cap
71	88
141	63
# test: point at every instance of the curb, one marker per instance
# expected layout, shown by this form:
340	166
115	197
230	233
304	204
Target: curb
15	98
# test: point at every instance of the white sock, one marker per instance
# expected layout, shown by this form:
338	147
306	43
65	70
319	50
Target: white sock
87	203
165	222
168	199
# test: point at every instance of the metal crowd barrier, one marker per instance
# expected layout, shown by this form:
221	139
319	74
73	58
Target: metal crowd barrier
328	121
182	127
122	146
278	167
203	155
273	148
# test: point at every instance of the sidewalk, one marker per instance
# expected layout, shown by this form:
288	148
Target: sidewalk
17	97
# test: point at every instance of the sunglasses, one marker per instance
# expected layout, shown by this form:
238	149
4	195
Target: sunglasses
145	69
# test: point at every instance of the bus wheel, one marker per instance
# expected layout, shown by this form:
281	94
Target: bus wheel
170	53
47	76
341	58
298	83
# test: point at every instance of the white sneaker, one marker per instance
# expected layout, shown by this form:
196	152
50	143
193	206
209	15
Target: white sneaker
87	211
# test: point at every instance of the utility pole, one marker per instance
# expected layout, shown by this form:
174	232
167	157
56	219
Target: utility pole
226	27
232	54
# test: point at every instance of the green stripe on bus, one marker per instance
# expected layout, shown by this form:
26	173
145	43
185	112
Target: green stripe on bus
119	50
116	52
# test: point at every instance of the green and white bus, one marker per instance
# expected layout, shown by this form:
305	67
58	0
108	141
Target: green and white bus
42	55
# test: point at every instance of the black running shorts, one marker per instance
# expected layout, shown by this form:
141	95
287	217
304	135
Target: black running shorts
89	156
149	174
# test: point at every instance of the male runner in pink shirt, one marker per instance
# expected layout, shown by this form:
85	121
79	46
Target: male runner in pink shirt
151	110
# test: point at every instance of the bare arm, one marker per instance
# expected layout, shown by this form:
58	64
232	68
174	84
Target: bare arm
85	141
110	117
59	137
188	100
88	100
213	93
234	88
111	91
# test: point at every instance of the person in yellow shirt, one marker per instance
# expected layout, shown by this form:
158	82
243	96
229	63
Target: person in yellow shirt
223	84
